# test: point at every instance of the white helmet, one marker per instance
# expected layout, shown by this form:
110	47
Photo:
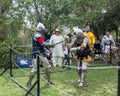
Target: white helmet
40	27
77	30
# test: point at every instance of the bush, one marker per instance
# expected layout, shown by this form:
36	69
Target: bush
4	55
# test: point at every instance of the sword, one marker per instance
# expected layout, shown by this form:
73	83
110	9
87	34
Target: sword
62	41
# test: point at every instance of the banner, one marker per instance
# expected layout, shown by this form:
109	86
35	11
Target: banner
23	62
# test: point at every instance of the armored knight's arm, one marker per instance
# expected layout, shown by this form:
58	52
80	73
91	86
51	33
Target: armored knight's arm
41	40
81	47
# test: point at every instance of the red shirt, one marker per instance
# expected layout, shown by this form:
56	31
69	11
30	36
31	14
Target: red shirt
40	40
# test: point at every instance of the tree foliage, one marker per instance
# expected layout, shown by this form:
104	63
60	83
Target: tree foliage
18	18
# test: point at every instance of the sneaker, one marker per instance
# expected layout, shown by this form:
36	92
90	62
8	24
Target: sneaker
29	84
81	84
50	82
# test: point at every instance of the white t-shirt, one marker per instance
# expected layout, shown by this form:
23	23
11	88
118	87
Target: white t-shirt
106	45
108	38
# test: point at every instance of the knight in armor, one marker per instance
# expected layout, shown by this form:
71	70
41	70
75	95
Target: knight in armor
82	54
38	44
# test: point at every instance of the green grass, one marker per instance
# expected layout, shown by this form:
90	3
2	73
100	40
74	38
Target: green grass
102	82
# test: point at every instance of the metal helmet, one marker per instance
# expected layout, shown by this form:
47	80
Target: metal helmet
40	27
78	32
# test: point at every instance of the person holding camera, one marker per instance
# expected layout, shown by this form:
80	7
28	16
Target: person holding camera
108	41
109	46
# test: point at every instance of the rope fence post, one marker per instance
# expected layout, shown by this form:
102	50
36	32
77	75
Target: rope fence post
37	82
38	76
9	66
11	54
118	94
110	52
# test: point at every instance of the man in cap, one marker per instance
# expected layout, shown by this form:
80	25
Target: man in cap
38	44
82	54
57	51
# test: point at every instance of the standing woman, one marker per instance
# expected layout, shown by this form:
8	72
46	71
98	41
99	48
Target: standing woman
65	50
57	50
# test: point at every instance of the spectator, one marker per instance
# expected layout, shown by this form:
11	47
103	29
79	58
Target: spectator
90	36
57	51
66	58
97	48
106	41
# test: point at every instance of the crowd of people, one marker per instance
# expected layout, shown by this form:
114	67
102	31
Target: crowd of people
55	48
